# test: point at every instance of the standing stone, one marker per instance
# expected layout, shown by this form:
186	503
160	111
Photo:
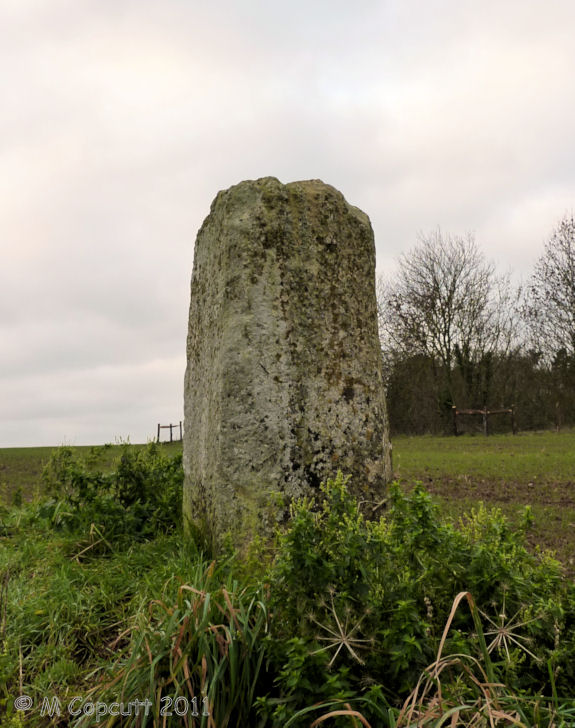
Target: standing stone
283	385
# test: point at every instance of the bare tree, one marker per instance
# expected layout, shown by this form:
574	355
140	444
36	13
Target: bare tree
550	307
448	305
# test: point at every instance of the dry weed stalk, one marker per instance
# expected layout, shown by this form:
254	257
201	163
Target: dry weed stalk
353	714
427	704
341	635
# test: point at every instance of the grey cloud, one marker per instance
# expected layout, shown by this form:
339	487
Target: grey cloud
121	120
97	405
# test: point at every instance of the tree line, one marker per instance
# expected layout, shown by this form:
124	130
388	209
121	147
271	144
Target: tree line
456	333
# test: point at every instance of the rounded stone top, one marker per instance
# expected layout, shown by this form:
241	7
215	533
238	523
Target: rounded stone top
270	188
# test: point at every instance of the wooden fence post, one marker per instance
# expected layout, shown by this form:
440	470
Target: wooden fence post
172	428
485	414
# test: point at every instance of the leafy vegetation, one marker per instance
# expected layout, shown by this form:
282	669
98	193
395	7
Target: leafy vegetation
345	620
21	467
139	498
369	599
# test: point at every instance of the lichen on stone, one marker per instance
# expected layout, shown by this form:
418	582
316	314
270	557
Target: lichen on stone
283	384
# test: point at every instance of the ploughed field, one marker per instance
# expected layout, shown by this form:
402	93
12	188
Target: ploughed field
535	469
504	471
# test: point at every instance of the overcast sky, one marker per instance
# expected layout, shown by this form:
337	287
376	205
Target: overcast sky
121	119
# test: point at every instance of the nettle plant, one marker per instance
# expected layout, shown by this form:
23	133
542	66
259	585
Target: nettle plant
358	607
139	497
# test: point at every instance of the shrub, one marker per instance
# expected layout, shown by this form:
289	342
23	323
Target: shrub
140	497
358	603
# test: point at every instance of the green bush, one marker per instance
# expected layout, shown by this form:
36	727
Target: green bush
139	498
358	603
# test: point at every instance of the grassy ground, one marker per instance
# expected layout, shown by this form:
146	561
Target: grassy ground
510	472
506	471
82	600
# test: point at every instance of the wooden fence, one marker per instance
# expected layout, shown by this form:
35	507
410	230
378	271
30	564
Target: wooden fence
485	414
171	428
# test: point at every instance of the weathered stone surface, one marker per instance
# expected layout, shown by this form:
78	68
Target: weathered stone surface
283	384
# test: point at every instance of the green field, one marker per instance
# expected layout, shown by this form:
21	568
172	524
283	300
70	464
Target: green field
541	457
507	471
510	472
